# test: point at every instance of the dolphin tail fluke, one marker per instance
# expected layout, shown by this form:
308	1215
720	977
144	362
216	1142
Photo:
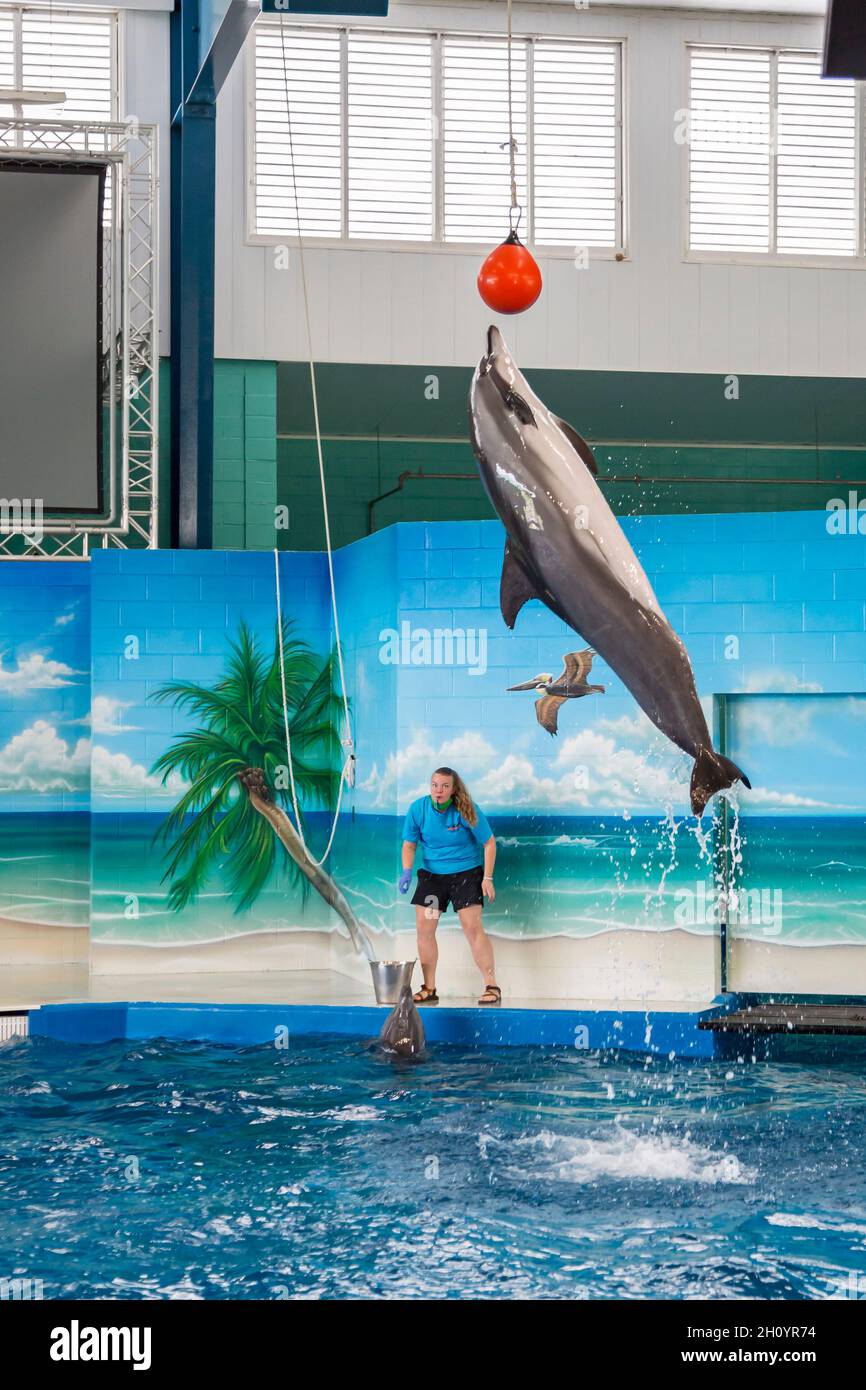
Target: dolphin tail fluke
711	773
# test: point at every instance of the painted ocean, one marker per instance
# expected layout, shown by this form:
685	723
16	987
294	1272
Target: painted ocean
45	867
796	880
802	880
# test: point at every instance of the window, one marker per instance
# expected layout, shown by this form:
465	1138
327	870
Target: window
72	51
390	157
402	136
773	162
475	164
7	47
312	70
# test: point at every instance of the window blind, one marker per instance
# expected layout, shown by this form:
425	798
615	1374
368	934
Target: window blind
390	135
402	136
475	176
729	141
69	51
575	143
816	178
773	154
313	75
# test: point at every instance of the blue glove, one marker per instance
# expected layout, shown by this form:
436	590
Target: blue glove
405	880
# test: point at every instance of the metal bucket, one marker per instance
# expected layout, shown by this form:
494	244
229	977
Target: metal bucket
389	977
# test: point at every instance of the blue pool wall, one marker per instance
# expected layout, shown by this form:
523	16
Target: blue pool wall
654	1036
658	1034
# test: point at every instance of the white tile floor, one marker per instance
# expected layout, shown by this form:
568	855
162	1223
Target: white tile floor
27	986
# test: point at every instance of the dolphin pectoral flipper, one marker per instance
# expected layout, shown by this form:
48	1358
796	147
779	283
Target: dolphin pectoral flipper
515	587
578	442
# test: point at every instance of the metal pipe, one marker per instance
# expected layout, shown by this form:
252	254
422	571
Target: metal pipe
404	478
747	482
638	479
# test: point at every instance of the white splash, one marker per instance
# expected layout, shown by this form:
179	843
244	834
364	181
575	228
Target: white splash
620	1153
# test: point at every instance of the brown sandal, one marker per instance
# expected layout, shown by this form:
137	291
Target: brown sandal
495	991
425	995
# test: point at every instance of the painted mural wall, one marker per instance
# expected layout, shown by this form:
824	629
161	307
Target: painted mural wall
185	872
45	726
606	885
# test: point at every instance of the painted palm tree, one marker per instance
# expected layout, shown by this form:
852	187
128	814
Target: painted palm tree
234	811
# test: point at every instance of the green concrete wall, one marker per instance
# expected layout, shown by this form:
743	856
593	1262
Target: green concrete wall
245	455
664	443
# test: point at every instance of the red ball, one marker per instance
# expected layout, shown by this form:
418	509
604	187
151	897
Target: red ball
509	280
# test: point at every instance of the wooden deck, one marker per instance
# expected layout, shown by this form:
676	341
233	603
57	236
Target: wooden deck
791	1018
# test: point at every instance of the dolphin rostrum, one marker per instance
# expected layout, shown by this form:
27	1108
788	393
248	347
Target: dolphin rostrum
403	1032
565	546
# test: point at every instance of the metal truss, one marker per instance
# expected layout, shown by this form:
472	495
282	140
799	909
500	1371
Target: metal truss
130	346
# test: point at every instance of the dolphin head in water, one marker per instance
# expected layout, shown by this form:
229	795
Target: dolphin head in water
402	1033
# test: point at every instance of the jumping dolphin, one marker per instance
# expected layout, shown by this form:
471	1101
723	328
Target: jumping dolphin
403	1032
565	547
570	686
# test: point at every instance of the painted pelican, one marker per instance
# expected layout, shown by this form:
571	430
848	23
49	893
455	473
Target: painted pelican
569	686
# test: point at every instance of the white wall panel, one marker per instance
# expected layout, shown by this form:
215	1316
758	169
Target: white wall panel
774	325
744	317
144	93
652	312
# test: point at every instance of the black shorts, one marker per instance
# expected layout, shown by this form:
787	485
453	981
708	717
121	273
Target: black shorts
461	889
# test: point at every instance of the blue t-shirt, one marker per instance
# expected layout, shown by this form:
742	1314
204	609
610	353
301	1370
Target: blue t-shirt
449	844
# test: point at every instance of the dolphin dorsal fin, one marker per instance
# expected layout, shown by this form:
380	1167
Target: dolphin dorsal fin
515	587
579	444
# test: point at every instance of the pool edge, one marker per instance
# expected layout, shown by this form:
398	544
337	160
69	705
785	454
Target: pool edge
654	1033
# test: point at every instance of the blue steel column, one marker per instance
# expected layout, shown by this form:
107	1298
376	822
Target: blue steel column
206	38
193	180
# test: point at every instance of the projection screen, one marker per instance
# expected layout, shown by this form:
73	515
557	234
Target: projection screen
51	445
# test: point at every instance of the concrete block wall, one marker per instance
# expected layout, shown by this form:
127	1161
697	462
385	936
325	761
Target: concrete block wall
245	455
181	607
792	595
773	603
770	604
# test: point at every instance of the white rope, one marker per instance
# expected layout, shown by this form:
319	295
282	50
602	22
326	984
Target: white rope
347	775
512	143
348	766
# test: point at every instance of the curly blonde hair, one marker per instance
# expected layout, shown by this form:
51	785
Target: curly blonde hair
460	795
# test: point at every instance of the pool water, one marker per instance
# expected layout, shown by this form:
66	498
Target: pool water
163	1169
